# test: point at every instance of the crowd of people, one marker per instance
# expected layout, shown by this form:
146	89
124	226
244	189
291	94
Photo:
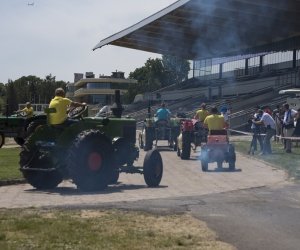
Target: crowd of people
282	124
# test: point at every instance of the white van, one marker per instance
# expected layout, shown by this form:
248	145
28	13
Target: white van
294	99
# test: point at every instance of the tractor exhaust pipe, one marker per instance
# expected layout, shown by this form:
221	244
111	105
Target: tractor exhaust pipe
117	108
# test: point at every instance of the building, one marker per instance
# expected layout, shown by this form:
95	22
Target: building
97	91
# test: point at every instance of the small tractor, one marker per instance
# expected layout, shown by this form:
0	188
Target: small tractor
218	149
192	134
154	131
91	151
19	127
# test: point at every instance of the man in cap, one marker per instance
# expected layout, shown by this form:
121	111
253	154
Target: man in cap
267	121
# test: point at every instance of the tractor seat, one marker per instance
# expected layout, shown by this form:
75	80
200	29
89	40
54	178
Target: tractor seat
162	123
218	132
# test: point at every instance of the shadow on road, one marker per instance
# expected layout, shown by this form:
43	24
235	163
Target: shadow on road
116	188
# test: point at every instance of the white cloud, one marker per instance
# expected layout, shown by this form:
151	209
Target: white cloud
57	36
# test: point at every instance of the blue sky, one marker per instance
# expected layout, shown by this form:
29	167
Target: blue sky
57	36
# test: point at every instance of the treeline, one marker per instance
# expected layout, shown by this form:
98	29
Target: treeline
158	73
27	89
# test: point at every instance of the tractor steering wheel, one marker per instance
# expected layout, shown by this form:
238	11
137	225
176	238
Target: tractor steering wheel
22	114
75	113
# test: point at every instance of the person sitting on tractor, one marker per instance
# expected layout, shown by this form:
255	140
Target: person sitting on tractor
202	113
61	104
27	111
215	123
163	114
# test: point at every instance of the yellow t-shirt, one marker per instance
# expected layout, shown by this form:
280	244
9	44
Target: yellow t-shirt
61	105
201	114
215	122
28	111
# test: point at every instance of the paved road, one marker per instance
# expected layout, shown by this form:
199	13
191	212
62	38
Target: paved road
254	207
181	178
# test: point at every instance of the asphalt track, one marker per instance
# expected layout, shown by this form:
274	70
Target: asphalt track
254	207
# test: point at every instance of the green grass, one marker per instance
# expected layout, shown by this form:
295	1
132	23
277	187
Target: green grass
279	158
9	164
96	229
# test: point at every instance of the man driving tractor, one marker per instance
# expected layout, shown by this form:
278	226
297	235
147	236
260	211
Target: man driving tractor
163	113
202	113
28	110
61	105
215	122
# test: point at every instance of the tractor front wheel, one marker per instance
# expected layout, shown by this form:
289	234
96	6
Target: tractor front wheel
153	168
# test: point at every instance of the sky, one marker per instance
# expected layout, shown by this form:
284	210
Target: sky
57	36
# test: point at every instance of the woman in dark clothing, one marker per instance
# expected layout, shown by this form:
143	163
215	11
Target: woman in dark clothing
297	128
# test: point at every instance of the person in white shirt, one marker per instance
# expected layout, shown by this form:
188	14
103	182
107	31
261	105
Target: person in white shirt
268	121
288	126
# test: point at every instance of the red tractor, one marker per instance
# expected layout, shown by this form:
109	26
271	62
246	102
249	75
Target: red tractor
218	149
191	136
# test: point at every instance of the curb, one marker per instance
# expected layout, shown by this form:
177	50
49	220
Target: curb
12	182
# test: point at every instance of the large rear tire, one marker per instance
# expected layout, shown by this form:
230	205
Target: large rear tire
19	140
153	168
31	157
90	161
204	165
33	126
186	146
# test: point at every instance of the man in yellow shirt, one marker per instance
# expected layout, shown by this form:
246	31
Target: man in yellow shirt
202	113
215	121
61	104
28	110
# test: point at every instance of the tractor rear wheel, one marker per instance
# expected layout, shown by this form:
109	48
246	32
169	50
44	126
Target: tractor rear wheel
2	139
33	126
90	161
153	168
31	157
148	143
19	140
186	146
231	157
204	165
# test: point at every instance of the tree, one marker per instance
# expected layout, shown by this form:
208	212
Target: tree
150	77
176	68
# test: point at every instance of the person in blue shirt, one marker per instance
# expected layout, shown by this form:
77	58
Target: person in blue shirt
163	113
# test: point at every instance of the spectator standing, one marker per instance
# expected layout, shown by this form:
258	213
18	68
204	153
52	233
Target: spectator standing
288	126
256	136
278	118
268	121
297	127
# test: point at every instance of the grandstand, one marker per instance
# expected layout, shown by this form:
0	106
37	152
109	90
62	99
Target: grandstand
243	52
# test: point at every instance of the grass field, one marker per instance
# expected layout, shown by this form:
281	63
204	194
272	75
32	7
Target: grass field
9	164
279	158
96	229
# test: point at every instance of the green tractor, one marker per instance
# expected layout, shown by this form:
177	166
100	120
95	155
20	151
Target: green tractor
19	127
154	131
92	152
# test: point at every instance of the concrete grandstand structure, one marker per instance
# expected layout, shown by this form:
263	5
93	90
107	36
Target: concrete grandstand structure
238	47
